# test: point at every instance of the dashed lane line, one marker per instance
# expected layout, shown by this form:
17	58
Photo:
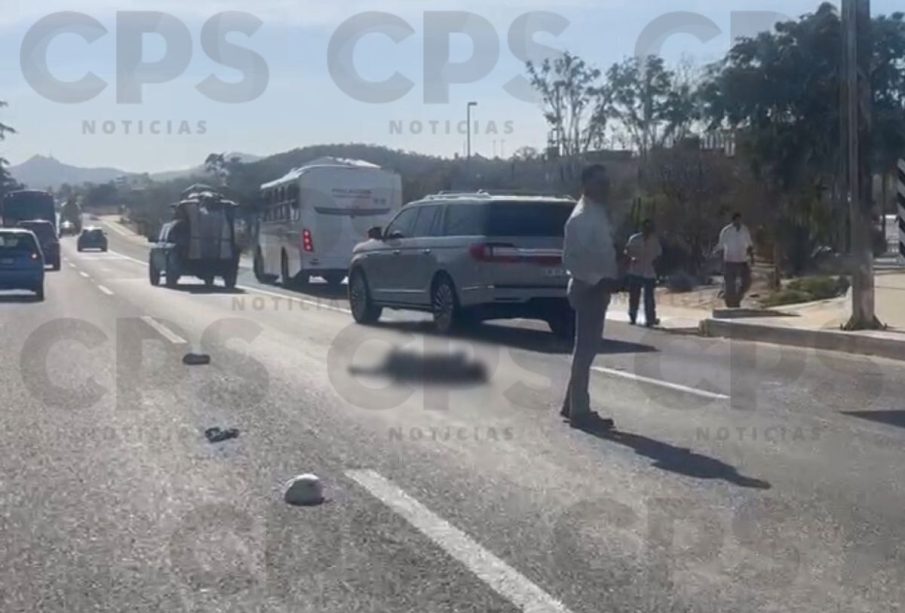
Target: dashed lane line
497	574
105	290
659	383
164	331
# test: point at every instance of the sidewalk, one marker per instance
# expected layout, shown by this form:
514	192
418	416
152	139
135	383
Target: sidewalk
674	317
818	325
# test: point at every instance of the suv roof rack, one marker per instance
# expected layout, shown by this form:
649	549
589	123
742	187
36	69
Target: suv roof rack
476	192
487	193
525	192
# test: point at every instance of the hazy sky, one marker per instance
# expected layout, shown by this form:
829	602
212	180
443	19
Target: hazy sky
300	102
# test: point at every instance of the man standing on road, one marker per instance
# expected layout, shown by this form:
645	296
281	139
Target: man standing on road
738	251
642	251
589	256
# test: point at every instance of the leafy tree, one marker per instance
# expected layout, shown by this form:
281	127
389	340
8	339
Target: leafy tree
569	91
100	196
526	153
779	92
888	80
693	191
7	183
651	103
222	167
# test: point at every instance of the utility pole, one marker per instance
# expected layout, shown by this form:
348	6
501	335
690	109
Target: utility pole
468	120
468	142
857	102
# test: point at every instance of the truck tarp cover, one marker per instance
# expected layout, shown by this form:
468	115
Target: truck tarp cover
211	232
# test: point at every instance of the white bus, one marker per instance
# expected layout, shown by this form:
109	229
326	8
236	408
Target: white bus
314	216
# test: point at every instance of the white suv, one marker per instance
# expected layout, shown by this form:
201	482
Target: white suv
467	257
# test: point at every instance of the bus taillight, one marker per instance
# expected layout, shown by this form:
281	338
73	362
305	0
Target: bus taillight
307	241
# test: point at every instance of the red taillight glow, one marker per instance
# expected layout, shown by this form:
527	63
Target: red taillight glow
494	252
307	241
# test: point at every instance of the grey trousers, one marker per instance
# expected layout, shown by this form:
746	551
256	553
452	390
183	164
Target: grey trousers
590	303
738	282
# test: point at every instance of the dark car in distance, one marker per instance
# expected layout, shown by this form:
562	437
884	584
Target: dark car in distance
92	238
47	237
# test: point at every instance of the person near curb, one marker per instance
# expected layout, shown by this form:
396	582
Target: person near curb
589	257
738	255
642	250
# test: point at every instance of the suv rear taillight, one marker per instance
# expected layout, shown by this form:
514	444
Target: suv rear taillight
494	252
307	241
504	253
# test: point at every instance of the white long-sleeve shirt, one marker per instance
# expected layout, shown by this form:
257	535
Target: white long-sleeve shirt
589	252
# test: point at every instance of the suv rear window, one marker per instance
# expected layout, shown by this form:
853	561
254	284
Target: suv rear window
535	219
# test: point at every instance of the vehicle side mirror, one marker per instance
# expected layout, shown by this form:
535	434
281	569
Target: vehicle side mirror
376	233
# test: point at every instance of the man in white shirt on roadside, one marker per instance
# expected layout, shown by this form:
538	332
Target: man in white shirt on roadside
643	250
738	255
589	256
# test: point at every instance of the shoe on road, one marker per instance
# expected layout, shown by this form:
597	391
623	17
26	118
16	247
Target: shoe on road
592	422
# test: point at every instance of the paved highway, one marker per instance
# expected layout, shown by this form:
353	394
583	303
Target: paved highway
743	477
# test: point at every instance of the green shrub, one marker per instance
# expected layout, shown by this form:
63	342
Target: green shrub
808	289
787	296
821	288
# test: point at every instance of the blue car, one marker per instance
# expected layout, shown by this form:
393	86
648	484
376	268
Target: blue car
21	262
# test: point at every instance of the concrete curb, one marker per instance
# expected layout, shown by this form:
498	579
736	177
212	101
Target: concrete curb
827	340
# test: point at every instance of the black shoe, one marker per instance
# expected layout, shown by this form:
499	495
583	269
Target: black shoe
564	412
652	324
593	422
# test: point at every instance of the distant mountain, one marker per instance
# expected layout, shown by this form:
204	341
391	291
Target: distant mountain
41	172
171	175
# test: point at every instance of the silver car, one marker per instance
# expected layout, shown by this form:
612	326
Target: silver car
467	257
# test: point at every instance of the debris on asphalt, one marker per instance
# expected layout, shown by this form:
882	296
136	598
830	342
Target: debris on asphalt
304	491
196	359
216	435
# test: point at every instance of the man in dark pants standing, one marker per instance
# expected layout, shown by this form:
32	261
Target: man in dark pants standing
642	251
589	256
738	251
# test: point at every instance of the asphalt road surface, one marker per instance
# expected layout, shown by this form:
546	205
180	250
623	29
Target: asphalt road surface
743	477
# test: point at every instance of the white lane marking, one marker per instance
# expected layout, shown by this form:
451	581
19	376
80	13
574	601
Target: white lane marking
673	386
314	303
126	257
85	274
112	225
502	578
71	265
164	331
105	290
